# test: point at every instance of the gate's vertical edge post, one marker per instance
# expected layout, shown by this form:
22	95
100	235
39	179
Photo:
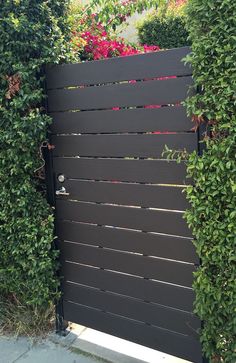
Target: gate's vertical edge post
61	324
201	133
50	184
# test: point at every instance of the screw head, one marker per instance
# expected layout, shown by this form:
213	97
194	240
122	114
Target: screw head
61	178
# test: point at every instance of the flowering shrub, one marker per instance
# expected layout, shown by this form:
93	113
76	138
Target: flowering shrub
98	44
93	34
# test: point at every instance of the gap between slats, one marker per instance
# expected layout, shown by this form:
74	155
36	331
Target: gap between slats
179	273
170	91
150	244
132	218
139	310
172	118
157	64
177	297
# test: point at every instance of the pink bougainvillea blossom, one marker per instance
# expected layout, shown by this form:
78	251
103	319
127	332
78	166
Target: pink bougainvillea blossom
101	47
95	44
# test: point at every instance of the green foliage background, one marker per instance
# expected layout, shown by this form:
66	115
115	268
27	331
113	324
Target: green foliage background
32	33
166	28
109	13
212	28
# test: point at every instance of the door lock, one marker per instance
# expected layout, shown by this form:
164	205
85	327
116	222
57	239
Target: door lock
62	191
61	178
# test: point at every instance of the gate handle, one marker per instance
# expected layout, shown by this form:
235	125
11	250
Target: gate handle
62	191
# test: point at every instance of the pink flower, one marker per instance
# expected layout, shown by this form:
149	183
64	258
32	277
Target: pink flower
100	46
152	106
150	48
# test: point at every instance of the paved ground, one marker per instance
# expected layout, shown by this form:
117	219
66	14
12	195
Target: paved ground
81	345
25	351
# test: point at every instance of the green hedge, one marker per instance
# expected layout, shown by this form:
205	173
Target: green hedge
31	35
212	28
165	31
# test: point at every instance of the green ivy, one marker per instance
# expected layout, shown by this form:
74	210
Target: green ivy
212	217
32	34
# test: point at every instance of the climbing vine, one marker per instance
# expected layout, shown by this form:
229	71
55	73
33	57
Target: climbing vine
32	34
212	217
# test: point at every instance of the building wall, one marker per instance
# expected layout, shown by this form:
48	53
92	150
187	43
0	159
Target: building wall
130	32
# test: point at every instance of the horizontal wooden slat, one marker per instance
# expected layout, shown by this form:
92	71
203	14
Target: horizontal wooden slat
156	338
173	118
164	63
151	196
160	316
176	248
148	267
149	146
134	218
170	91
158	292
140	171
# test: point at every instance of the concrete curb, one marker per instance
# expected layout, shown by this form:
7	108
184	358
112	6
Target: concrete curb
75	344
101	353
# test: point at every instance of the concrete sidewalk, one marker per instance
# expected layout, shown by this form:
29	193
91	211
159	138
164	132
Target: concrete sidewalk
23	350
81	345
57	350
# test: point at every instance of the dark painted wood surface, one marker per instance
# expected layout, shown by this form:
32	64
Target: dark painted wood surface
149	290
152	244
145	145
158	64
126	251
172	118
139	171
149	267
143	219
134	194
154	314
153	337
169	91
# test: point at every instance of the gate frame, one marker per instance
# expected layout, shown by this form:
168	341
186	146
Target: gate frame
61	324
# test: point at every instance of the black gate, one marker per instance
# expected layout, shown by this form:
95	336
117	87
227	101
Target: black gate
126	251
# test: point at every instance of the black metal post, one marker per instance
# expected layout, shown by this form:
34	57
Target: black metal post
201	147
201	134
61	324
